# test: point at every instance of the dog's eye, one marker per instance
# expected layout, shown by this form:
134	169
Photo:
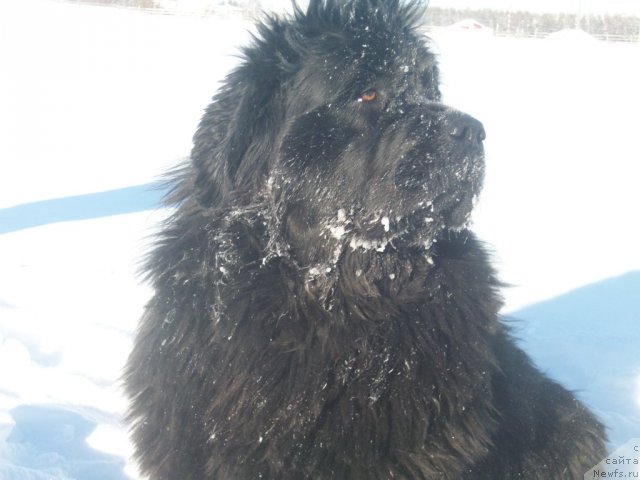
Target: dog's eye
368	96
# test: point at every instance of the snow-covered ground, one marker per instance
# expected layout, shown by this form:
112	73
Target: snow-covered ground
97	99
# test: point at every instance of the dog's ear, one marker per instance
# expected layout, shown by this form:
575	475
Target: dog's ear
233	127
235	140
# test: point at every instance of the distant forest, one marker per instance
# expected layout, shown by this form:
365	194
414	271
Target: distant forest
520	24
528	24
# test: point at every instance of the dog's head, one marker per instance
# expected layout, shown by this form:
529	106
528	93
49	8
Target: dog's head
334	121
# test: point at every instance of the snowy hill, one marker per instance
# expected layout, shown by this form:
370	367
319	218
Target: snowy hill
588	340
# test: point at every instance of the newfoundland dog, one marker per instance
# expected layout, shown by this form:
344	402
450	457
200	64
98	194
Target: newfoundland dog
321	310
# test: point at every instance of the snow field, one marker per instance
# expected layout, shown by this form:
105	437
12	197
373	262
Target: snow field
100	98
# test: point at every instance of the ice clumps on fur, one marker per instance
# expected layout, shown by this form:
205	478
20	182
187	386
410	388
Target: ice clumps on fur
343	233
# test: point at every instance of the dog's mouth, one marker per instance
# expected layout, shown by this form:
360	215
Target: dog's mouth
440	195
445	212
419	227
385	231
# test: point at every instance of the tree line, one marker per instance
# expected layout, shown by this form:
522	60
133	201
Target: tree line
520	24
531	24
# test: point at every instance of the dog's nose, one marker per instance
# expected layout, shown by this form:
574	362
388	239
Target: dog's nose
464	127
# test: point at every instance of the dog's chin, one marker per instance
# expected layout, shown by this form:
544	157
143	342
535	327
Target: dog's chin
458	217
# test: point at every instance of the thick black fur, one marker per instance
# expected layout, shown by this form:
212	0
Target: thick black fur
321	310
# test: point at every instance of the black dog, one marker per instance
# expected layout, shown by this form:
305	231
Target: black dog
321	310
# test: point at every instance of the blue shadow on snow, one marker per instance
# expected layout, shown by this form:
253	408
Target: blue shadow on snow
48	443
588	339
82	207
